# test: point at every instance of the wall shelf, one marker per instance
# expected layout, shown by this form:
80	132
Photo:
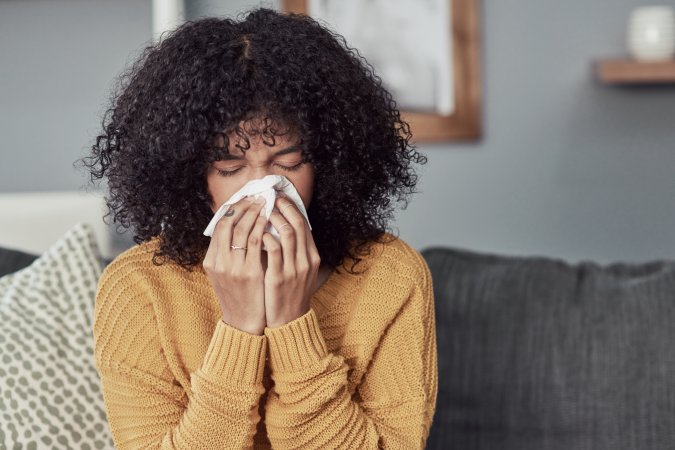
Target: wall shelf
631	71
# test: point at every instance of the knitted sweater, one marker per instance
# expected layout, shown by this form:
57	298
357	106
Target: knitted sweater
357	371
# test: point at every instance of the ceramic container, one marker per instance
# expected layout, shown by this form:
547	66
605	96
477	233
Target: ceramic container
651	33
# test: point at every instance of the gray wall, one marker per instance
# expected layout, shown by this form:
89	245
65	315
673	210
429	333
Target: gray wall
567	167
57	63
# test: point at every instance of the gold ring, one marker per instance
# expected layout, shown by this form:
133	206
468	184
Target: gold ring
282	209
284	225
236	247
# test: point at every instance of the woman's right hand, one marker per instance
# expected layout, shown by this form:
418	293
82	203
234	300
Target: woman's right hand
237	275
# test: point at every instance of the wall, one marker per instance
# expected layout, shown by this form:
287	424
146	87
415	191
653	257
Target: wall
58	60
567	167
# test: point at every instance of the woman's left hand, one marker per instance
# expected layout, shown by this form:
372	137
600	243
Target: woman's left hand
292	265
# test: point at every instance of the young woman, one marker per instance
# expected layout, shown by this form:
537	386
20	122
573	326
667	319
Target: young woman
326	339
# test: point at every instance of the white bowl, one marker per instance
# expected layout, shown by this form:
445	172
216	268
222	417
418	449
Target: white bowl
651	33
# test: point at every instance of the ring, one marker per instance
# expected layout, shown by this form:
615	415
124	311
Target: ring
284	225
236	247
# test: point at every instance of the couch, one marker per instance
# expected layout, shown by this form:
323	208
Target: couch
539	354
534	353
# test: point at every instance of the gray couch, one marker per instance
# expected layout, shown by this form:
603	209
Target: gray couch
538	354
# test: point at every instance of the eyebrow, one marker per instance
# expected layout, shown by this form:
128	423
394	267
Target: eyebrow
285	151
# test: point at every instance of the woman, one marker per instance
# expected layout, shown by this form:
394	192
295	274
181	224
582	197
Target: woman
326	339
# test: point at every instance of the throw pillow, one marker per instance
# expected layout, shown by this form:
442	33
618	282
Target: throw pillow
49	388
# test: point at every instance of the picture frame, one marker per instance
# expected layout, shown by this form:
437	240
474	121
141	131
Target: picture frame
464	121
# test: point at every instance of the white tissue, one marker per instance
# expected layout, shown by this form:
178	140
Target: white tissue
266	187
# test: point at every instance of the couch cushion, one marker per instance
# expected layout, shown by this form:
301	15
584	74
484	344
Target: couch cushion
538	354
50	395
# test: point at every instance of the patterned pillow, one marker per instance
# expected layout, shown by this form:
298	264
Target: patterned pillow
49	388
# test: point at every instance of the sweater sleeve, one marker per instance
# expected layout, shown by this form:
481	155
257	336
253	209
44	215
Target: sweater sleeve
310	406
146	407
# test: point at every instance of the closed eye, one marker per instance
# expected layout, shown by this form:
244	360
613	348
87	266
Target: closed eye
228	173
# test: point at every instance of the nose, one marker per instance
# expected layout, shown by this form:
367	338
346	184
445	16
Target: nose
260	170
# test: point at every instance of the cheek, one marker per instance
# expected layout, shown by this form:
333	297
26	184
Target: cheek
220	190
304	184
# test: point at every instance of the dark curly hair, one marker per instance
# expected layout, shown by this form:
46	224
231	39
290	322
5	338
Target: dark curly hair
208	75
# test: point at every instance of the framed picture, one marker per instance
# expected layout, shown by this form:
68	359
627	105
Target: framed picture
427	54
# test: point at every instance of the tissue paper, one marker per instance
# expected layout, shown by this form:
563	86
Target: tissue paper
267	187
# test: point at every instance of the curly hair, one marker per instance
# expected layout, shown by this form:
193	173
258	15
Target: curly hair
210	74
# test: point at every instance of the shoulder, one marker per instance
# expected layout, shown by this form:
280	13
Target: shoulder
125	272
131	264
396	275
393	286
394	259
137	263
132	279
123	310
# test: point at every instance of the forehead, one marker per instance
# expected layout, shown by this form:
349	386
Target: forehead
257	147
256	142
257	134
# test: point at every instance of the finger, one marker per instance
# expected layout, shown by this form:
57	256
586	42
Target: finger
211	251
274	258
312	250
255	241
294	217
223	232
241	232
287	236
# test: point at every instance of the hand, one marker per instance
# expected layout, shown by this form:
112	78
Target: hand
292	265
236	275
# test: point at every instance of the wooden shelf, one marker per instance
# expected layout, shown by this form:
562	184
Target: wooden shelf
631	71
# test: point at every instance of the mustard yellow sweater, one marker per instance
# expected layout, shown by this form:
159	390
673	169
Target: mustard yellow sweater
358	371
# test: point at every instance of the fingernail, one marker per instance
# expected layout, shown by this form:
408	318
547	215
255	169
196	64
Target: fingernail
262	211
248	199
260	200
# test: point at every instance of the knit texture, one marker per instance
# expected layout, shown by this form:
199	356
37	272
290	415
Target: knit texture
358	371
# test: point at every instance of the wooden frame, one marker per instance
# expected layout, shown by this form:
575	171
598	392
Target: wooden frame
465	123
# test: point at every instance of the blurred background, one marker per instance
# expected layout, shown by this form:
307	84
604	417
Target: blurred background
567	166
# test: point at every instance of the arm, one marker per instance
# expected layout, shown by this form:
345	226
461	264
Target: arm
310	406
145	408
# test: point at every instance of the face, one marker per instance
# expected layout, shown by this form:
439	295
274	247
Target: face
225	177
